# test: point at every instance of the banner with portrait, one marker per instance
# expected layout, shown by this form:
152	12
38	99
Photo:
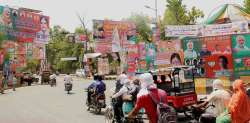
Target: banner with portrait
241	54
103	66
98	30
133	58
216	55
38	51
169	53
24	26
150	56
192	47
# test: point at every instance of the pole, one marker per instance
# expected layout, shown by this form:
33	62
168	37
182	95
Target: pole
85	30
156	15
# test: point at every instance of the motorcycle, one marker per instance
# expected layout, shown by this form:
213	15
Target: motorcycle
97	102
110	116
68	87
53	82
200	115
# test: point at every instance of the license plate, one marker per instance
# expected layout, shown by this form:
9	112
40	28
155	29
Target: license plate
101	101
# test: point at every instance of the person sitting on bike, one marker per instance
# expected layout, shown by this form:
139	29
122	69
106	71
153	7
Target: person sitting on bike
100	86
219	98
126	93
144	99
239	105
68	79
91	87
118	105
52	76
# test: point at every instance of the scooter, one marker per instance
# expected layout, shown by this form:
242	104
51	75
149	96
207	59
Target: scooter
68	87
97	102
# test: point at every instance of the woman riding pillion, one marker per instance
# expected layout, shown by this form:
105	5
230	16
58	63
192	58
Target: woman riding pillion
126	92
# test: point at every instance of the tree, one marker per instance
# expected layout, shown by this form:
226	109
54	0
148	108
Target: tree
142	23
60	47
177	14
194	14
247	6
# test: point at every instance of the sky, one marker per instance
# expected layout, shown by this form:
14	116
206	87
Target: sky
64	12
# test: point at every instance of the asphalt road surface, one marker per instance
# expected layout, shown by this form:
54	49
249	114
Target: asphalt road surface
45	104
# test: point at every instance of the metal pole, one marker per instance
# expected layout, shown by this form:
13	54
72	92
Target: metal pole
156	15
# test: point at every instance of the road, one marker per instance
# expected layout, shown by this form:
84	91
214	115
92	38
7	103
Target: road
45	104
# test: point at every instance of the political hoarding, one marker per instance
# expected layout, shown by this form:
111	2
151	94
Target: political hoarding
24	26
216	54
241	55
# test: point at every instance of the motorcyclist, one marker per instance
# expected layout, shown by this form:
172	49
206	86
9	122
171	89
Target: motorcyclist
145	101
100	86
68	80
91	87
53	77
126	92
118	105
219	98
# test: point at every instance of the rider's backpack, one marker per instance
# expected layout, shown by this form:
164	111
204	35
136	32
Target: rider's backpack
165	113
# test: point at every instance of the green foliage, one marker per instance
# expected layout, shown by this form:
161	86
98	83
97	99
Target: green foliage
32	65
194	14
247	6
177	14
142	26
59	47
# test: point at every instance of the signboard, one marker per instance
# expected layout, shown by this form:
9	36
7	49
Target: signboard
98	31
103	47
192	47
103	29
169	53
216	54
207	30
69	59
23	25
150	56
241	54
103	66
183	30
226	29
38	51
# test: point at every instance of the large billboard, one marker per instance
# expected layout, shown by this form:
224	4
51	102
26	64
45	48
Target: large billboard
241	54
216	53
24	26
169	53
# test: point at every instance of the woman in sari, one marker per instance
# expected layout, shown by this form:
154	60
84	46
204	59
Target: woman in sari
239	105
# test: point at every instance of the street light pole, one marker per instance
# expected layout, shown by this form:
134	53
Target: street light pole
156	15
156	11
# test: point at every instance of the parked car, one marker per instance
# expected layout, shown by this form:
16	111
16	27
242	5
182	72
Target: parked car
28	77
80	72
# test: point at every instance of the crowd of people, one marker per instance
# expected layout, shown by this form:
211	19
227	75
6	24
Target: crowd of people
135	95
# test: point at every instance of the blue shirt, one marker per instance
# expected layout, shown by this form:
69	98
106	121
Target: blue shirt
100	87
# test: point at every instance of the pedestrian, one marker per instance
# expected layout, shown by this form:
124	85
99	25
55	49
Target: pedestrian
144	99
1	82
239	105
5	82
14	81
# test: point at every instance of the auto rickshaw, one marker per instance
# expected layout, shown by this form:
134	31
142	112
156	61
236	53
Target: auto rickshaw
45	78
180	87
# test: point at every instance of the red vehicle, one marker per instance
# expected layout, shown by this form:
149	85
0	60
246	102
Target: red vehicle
180	87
